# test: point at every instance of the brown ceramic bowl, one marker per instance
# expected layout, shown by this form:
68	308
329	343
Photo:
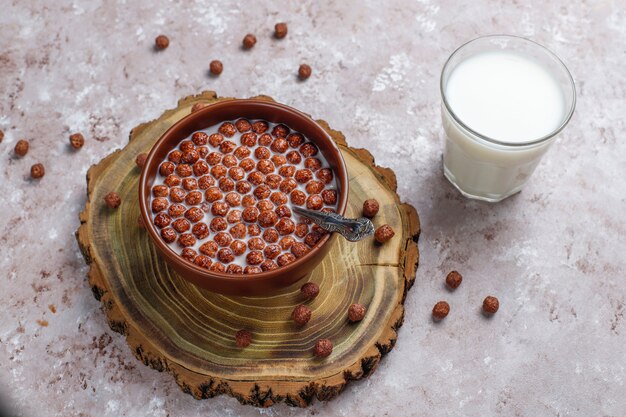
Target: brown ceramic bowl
252	284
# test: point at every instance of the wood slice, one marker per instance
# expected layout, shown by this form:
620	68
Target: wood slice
173	326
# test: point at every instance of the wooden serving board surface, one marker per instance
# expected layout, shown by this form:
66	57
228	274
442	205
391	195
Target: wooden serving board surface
173	326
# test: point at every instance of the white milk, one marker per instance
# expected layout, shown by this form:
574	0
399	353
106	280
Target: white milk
506	97
503	96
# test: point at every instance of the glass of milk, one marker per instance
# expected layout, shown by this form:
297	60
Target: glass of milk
504	100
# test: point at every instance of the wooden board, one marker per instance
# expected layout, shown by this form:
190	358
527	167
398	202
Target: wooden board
174	326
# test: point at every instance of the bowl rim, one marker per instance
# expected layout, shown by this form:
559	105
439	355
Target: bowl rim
265	276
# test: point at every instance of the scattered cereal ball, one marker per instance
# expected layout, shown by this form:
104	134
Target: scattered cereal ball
453	280
323	348
301	315
216	67
140	160
1	136
249	41
113	200
304	72
197	107
384	233
37	171
162	42
370	208
243	338
491	305
356	312
21	147
441	310
310	290
280	30
77	140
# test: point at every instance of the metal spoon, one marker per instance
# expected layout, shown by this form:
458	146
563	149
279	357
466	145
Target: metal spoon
352	229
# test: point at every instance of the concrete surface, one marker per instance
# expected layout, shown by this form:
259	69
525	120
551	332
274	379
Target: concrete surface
554	255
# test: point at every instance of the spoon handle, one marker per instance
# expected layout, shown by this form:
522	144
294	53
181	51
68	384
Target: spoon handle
352	229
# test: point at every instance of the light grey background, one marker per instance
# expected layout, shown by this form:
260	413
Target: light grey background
554	255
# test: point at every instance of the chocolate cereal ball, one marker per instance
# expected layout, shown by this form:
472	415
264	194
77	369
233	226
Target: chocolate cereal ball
243	338
370	207
491	305
161	42
304	72
384	233
112	200
310	290
249	41
77	140
216	67
323	348
441	310
280	30
301	315
37	171
356	312
453	280
21	147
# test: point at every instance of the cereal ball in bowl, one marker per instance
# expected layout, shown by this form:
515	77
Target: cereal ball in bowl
219	185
